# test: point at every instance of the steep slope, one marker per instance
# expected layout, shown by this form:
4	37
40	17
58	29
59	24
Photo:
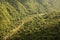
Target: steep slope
19	18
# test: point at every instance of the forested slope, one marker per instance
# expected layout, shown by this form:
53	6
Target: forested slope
29	19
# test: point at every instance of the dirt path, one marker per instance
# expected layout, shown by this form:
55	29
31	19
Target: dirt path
26	19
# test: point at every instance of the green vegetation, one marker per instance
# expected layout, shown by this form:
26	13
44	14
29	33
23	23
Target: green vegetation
29	19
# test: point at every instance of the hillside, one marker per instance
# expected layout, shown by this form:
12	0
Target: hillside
29	19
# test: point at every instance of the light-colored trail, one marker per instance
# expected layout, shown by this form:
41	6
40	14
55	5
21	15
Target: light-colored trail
26	19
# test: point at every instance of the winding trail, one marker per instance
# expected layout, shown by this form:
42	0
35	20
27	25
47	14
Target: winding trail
26	19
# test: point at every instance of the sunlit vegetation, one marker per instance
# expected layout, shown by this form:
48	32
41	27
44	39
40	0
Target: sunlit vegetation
29	19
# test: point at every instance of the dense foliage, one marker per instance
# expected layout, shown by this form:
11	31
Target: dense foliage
29	19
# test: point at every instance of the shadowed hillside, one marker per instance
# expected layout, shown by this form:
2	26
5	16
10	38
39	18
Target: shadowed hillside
29	19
